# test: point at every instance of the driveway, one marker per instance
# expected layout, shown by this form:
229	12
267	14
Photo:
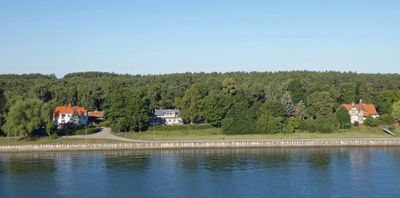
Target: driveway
105	134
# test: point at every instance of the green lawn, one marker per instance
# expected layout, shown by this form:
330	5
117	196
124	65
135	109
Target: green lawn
46	140
208	134
216	134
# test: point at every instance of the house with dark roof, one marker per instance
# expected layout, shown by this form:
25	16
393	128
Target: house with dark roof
167	117
70	114
359	112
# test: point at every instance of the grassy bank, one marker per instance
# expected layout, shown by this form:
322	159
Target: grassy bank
46	140
216	134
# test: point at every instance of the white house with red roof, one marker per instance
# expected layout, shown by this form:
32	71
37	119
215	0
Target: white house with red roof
70	114
359	112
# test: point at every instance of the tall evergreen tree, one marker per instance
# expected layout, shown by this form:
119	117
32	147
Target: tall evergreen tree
301	110
288	104
297	90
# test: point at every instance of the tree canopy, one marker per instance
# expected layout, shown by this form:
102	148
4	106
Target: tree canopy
220	99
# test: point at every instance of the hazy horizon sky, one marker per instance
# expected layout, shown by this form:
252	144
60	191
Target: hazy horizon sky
153	37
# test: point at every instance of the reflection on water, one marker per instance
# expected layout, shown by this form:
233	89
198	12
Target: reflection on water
277	172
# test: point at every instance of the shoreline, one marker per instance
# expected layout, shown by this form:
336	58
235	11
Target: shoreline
204	144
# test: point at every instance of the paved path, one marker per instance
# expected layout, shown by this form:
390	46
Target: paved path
105	133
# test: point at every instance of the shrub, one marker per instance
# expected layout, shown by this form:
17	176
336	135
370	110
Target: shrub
370	122
292	125
392	127
105	124
269	124
386	119
325	125
53	136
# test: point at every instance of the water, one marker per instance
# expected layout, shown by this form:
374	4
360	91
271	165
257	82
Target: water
266	172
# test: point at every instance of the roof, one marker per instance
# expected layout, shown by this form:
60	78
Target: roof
96	114
369	109
69	110
161	112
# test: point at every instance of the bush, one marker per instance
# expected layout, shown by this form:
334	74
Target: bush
292	125
269	124
53	136
370	122
392	127
325	125
386	119
105	124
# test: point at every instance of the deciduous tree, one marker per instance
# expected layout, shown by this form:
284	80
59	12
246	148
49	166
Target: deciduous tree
27	116
396	110
343	117
127	111
321	104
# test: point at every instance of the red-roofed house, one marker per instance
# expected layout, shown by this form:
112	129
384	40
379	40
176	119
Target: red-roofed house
95	116
72	114
359	112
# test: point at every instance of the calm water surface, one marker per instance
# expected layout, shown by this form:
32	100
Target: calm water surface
266	172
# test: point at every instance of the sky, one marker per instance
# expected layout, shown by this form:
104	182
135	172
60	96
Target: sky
170	36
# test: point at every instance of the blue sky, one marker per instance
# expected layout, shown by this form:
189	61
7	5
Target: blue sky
152	37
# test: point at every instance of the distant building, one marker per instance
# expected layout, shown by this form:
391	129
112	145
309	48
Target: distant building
359	112
167	117
70	114
96	116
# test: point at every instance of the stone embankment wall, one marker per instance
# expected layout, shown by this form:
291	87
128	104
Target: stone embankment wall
202	144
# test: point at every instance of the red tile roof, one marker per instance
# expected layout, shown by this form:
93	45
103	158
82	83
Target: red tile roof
69	110
369	109
96	114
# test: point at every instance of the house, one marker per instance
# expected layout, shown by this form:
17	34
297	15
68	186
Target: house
70	114
359	112
95	116
167	117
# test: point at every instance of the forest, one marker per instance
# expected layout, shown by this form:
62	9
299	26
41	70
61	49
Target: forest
237	102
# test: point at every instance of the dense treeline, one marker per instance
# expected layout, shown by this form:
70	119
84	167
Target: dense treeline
239	102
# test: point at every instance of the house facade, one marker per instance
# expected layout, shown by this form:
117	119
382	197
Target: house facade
359	112
167	117
70	114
